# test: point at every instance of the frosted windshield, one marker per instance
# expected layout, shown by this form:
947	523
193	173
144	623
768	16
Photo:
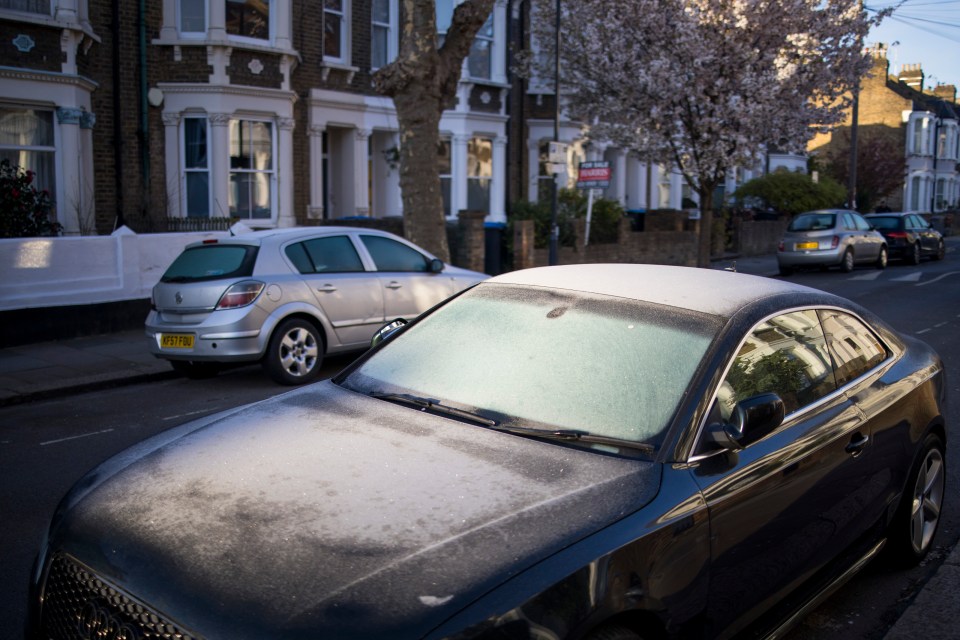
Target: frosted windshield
548	359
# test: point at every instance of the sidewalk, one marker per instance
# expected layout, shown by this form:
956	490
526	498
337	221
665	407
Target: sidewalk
52	369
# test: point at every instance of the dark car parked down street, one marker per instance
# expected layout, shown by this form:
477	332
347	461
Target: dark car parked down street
830	238
591	451
909	237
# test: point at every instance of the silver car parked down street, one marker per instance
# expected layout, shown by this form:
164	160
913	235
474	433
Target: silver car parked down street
830	237
287	297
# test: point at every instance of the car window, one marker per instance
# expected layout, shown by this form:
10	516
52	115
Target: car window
390	255
916	222
210	262
548	359
786	355
855	349
812	222
848	223
860	223
325	255
886	223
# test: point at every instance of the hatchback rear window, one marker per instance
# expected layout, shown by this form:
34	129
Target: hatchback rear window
886	224
813	222
211	262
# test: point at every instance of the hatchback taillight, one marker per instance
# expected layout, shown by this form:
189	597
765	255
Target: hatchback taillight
240	294
780	246
898	235
835	243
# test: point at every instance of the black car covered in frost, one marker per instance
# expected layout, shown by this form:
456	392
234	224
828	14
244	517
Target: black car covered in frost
596	451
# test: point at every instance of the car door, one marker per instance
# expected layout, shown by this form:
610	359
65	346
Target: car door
781	508
929	239
409	286
349	296
868	241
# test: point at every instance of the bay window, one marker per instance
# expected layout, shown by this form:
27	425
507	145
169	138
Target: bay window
336	35
27	141
196	164
480	60
27	6
445	162
252	169
192	17
479	173
383	33
248	18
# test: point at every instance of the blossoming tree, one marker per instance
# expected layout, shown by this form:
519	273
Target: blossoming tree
423	82
705	85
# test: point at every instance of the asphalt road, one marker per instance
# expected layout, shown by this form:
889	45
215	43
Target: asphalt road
45	446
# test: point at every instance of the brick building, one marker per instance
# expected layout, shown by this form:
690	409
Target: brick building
261	110
924	123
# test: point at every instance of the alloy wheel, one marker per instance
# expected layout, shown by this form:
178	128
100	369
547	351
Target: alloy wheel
927	500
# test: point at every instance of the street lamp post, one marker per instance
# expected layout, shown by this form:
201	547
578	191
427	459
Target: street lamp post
555	204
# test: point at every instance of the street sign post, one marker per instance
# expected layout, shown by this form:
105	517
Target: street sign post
592	175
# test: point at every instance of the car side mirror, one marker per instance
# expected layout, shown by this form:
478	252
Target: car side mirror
387	331
436	265
752	419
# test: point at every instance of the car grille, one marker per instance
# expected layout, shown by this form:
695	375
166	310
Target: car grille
79	606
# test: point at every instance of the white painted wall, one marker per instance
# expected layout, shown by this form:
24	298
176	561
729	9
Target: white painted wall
64	271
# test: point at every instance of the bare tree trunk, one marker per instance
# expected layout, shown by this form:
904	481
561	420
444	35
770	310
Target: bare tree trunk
423	219
423	82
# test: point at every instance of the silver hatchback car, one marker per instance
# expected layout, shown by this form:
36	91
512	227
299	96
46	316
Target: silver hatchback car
288	297
830	237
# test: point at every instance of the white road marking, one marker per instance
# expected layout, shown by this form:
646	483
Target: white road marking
43	444
910	277
922	331
184	415
869	275
937	326
940	277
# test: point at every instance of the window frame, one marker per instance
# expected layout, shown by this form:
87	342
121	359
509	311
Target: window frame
345	33
53	186
272	172
475	141
49	13
271	26
192	35
391	27
184	169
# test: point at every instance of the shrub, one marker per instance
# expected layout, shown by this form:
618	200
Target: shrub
24	210
572	204
792	193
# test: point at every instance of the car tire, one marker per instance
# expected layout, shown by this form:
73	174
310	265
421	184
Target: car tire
881	262
915	253
941	251
614	632
917	517
847	262
295	353
195	370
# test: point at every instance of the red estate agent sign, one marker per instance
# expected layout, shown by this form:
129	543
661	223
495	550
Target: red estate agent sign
593	175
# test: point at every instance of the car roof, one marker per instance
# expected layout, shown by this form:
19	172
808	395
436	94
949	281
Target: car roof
888	214
288	233
712	291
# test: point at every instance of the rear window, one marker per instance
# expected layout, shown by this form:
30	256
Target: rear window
813	222
211	262
890	223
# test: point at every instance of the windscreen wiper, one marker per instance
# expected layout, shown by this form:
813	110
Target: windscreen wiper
574	434
430	404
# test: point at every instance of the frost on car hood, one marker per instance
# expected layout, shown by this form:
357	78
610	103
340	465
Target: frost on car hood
325	509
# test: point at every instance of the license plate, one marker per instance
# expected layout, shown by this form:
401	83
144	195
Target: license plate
176	341
807	245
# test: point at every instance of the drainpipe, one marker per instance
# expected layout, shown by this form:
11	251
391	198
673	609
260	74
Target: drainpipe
117	116
144	129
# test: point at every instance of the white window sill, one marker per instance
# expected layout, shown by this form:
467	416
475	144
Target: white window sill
329	65
48	21
245	44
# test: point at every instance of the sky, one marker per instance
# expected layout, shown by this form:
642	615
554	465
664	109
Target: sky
928	33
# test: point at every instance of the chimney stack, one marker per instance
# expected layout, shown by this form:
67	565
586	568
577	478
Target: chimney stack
912	76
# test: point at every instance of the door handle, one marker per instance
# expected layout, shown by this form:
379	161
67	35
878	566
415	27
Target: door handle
327	288
394	285
857	443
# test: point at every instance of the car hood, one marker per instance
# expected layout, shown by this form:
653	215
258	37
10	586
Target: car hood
326	509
